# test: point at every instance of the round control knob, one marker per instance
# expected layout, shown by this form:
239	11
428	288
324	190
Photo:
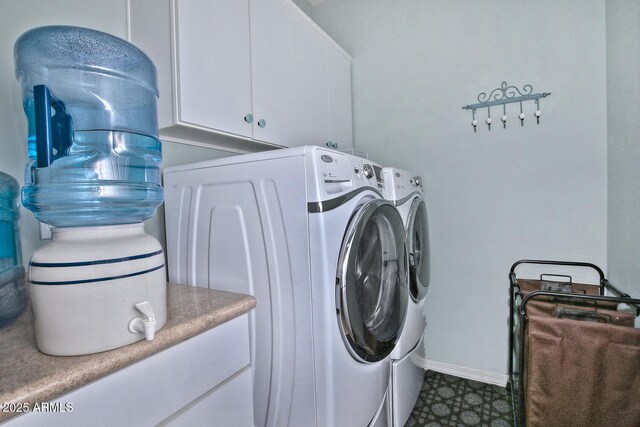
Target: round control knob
416	181
367	171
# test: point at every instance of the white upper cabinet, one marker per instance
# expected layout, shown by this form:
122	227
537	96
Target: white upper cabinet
311	119
273	74
244	74
213	67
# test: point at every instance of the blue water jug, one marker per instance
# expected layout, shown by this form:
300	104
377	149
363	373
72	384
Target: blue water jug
91	103
12	293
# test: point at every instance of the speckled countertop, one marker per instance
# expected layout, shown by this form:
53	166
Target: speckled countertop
26	375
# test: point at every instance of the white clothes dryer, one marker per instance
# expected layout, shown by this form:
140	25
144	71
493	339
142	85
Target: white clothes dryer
307	232
405	191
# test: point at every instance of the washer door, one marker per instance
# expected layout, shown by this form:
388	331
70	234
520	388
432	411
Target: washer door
418	246
371	291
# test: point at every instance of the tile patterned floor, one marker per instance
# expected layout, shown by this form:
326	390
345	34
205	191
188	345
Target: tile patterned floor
446	400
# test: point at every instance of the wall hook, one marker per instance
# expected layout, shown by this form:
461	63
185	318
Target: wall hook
503	95
474	122
504	116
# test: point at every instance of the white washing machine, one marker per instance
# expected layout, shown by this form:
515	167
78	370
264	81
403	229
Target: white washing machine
406	192
307	232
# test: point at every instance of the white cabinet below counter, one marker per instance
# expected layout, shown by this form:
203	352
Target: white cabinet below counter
205	380
244	75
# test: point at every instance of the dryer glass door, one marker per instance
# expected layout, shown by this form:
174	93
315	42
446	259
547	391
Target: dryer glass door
419	252
371	292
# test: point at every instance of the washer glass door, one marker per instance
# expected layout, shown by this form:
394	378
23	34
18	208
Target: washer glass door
372	290
419	252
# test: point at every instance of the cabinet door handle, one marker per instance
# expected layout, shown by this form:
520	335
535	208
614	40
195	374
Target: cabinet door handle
248	118
262	123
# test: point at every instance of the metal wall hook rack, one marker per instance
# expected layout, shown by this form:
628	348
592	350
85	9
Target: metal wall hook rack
503	95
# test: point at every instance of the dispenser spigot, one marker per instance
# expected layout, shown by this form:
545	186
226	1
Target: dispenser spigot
144	325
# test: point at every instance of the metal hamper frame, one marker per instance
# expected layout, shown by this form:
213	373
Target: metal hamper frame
518	316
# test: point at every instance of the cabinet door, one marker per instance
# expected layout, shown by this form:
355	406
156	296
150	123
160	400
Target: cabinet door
153	389
213	70
273	70
225	406
311	117
340	98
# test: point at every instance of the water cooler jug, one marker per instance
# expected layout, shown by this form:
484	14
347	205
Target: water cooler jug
93	175
12	294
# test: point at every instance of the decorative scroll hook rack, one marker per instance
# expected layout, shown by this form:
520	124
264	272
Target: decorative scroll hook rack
503	95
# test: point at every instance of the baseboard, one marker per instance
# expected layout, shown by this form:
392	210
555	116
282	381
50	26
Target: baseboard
462	372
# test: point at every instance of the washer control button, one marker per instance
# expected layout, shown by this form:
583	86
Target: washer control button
367	171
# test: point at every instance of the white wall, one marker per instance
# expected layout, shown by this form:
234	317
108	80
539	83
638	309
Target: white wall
623	117
16	17
494	197
305	6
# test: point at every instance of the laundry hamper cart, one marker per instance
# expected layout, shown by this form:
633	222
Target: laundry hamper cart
574	352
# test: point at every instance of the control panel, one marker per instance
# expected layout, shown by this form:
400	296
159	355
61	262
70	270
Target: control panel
400	183
341	172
